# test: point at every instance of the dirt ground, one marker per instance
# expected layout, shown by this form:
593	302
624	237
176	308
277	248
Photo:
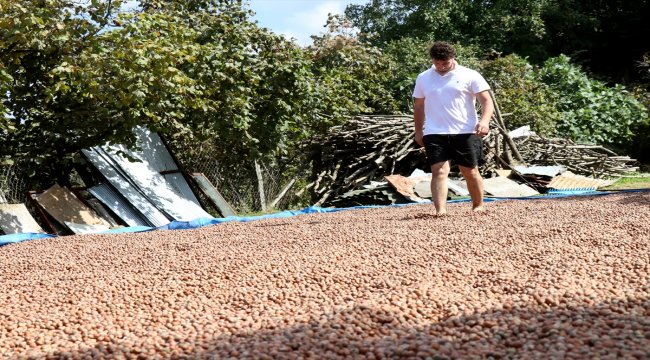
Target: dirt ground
549	278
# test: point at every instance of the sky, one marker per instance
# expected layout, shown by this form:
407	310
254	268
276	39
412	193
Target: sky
298	19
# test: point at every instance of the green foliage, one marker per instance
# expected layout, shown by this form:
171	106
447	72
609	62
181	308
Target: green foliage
607	37
419	19
351	76
502	24
40	42
592	111
410	57
521	93
599	32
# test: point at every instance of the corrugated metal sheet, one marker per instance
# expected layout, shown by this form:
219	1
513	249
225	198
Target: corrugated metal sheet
180	186
154	186
114	201
154	195
154	151
574	182
121	181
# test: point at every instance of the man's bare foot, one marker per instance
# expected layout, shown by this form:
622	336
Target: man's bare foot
479	209
423	216
441	213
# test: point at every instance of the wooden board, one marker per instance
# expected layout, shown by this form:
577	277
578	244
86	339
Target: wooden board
64	207
16	219
404	186
504	187
213	194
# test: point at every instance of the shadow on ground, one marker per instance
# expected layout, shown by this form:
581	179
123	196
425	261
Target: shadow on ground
615	330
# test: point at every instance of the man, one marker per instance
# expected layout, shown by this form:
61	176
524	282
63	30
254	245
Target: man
446	123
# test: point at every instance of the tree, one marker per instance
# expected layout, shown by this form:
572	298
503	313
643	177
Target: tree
607	37
79	76
503	25
597	33
351	75
40	41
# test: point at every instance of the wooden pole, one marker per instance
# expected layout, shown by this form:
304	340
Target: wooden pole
260	185
502	127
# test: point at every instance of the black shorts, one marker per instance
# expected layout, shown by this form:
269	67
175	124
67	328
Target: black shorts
464	149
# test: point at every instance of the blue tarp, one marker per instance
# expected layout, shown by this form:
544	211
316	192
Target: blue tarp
16	238
201	222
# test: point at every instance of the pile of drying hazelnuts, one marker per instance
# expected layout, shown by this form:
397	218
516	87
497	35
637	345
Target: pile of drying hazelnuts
552	278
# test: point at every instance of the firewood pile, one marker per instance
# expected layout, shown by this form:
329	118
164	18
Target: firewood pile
364	149
588	160
367	148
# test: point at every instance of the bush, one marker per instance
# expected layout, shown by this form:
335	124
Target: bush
521	93
591	110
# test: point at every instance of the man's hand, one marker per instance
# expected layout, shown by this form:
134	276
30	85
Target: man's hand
418	117
487	109
418	138
482	128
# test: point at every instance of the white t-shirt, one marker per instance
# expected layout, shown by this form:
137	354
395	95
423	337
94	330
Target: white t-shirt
449	99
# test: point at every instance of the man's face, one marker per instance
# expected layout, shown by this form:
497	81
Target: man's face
443	66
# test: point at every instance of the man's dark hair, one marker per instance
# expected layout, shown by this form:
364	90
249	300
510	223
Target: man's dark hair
441	50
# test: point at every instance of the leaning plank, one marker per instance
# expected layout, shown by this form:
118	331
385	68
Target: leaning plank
282	193
213	194
260	185
16	219
64	207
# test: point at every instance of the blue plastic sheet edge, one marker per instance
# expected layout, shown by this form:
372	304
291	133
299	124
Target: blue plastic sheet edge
201	222
16	238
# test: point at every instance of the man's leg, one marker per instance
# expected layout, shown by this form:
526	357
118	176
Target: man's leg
439	175
474	186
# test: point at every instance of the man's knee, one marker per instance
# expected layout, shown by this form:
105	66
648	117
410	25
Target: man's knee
440	169
470	172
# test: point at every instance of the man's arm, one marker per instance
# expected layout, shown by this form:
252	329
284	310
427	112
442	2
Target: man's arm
418	119
487	108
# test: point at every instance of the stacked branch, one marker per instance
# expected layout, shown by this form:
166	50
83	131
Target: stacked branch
364	149
500	150
583	159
